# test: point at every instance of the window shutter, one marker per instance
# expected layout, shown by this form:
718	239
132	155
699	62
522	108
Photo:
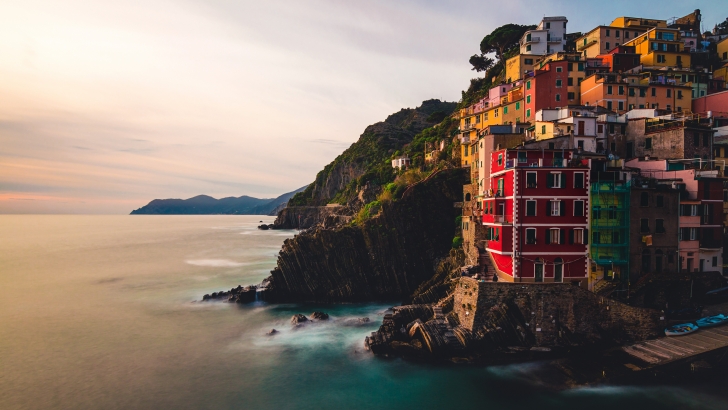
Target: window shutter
562	211
586	236
550	180
697	233
700	210
563	180
571	237
562	236
548	236
548	208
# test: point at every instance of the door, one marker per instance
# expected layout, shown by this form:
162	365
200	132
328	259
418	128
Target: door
558	270
539	271
701	264
581	127
630	149
690	264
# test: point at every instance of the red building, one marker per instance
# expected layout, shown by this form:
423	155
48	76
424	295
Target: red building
620	59
536	215
546	88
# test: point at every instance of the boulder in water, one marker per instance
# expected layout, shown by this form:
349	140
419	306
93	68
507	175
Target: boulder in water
271	332
298	320
361	321
319	316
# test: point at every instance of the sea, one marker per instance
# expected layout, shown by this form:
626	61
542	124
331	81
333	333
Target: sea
104	312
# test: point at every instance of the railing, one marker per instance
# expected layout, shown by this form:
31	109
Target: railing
501	219
589	42
553	39
532	40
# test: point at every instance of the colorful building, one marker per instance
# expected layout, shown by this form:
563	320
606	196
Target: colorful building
547	38
661	47
536	216
546	88
518	65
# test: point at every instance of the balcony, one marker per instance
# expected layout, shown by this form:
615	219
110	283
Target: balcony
532	40
553	39
547	163
589	43
469	126
503	219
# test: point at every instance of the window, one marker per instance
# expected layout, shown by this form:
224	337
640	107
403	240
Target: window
643	93
551	145
530	208
644	199
659	226
555	235
660	201
522	157
500	159
644	225
558	83
607	46
607	34
631	92
669	93
609	89
621	105
559	69
600	128
612	212
580	145
505	110
528	112
616	33
528	61
613	146
706	140
660	58
693	234
495	112
620	90
693	210
609	105
556	179
648	143
715	261
528	85
528	47
578	236
626	34
653	91
595	237
528	99
555	208
558	97
530	236
543	129
518	105
578	208
570	81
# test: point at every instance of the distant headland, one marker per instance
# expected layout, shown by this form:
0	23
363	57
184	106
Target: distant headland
207	205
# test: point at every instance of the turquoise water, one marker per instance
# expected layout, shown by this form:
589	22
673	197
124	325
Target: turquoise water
101	312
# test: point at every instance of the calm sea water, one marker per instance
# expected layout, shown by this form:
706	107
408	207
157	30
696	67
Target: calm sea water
99	312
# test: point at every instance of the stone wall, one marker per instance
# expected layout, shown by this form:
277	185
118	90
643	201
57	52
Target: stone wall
552	314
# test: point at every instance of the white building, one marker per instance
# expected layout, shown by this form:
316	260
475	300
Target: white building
401	162
547	38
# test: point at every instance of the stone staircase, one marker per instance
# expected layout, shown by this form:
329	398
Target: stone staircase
443	327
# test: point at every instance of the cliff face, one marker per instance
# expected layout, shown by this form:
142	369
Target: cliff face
367	160
386	258
305	217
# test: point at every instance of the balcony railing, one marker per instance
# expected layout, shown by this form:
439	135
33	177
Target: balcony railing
553	39
503	219
532	40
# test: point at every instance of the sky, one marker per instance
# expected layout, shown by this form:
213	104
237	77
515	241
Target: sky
106	105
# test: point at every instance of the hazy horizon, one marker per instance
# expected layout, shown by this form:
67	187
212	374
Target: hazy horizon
106	106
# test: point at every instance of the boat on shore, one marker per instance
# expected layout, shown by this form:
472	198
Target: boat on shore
681	329
711	321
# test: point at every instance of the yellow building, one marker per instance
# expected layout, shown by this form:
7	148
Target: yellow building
545	130
661	47
517	65
637	23
723	49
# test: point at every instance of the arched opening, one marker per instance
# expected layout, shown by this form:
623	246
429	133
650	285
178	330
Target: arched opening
646	261
558	270
467	197
658	261
538	270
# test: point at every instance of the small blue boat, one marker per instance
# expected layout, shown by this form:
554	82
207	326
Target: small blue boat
681	329
711	321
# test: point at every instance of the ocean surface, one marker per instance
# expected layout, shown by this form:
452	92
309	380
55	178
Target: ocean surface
101	312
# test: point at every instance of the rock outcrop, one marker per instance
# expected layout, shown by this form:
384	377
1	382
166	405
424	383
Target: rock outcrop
305	217
385	258
487	321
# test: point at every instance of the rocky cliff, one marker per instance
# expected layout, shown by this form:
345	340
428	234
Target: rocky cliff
384	258
367	161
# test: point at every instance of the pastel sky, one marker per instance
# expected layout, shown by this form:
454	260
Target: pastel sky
105	105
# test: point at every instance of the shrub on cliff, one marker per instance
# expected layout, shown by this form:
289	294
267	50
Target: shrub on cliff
457	242
367	211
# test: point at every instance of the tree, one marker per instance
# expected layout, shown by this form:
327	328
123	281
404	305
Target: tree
481	62
503	39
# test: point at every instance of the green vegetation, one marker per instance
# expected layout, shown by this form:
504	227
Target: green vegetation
457	242
367	211
458	222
